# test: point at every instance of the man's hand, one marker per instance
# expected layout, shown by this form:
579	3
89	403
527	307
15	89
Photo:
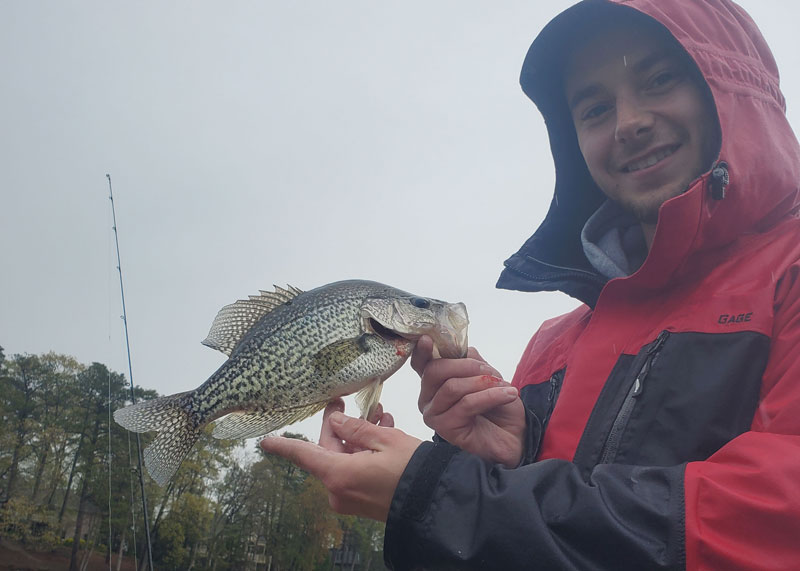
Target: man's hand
468	404
358	462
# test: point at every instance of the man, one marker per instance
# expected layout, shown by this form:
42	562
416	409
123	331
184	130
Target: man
658	425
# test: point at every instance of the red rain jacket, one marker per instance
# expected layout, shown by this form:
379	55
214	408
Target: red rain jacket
663	414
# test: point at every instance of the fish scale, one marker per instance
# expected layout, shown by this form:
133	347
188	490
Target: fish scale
291	352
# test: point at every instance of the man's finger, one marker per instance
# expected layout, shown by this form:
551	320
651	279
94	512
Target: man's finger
438	372
357	432
473	391
306	455
476	404
387	420
376	415
327	438
422	355
472	353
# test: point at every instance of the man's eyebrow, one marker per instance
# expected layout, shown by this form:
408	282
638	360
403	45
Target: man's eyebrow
654	58
639	67
584	93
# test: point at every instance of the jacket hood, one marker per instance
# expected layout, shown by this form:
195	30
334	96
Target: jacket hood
752	185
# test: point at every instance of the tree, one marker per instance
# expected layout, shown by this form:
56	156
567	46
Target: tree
229	497
61	455
55	395
94	382
319	527
19	391
364	537
203	464
192	514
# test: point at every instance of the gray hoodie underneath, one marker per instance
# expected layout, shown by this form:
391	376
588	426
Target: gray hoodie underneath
613	241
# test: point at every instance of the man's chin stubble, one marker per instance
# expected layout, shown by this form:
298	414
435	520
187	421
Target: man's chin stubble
646	212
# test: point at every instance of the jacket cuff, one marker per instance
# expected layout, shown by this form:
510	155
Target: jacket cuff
533	438
412	499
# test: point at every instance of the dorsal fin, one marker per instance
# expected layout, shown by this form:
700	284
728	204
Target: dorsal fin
235	320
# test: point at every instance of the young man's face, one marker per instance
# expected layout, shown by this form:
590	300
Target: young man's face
644	124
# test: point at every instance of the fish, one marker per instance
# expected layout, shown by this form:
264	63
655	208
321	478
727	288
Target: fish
290	352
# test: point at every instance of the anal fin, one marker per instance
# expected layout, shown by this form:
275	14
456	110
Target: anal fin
241	425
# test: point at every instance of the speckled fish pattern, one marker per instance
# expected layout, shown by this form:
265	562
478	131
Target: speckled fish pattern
290	353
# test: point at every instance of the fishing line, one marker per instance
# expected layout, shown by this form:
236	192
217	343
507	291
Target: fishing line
130	375
109	469
108	291
132	491
133	504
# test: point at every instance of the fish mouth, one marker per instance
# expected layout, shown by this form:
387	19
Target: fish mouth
385	333
450	337
446	324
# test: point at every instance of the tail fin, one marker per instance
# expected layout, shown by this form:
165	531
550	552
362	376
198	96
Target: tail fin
177	432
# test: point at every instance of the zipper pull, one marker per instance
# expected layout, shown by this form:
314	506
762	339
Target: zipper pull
659	342
652	353
719	180
553	382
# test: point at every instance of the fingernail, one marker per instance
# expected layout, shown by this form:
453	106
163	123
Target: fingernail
511	391
336	418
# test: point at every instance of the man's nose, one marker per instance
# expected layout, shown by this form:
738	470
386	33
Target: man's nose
634	121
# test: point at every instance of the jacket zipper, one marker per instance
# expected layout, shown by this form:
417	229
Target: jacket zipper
626	410
556	379
536	433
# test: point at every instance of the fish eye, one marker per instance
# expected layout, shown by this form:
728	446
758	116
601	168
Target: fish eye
420	302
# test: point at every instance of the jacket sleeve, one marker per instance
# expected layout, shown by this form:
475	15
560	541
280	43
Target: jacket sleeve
454	510
743	503
738	509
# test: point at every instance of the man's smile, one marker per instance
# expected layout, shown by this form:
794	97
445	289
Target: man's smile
649	159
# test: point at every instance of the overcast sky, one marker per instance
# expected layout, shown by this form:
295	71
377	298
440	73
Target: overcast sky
260	143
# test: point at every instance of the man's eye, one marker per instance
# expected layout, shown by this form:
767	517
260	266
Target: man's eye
595	111
663	79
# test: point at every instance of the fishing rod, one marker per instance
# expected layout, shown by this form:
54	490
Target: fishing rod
130	376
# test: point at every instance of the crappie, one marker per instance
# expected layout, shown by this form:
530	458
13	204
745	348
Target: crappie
290	353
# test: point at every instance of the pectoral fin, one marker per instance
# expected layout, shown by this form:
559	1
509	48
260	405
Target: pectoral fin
368	398
334	357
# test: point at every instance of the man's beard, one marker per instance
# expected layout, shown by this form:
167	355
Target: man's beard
646	209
